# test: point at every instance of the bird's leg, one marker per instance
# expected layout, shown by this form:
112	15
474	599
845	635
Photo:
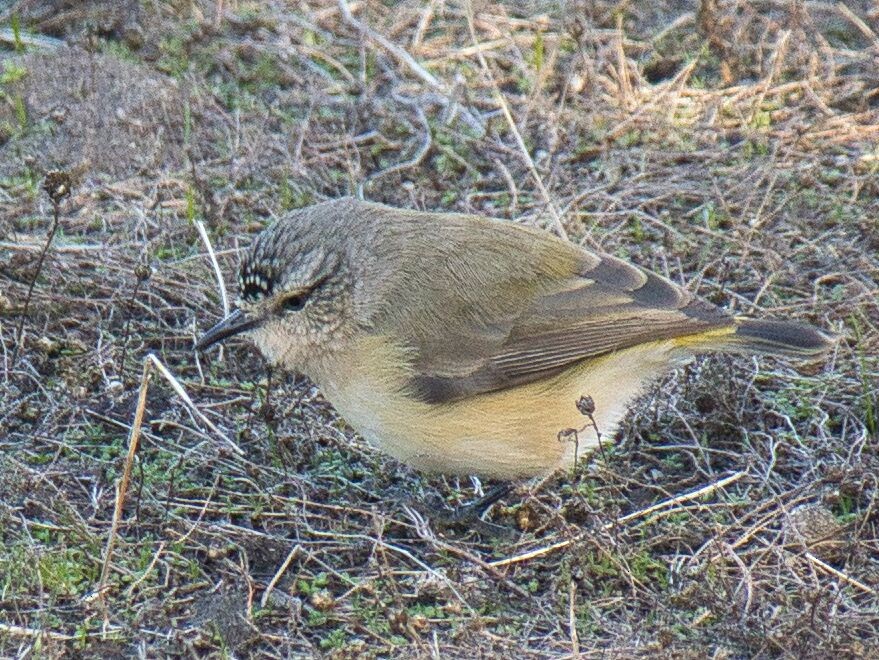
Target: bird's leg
474	510
470	515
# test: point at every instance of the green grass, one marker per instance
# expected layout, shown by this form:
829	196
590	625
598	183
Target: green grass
699	162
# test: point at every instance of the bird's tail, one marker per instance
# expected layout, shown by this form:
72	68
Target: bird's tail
783	338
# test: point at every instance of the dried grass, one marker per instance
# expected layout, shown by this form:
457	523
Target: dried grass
732	147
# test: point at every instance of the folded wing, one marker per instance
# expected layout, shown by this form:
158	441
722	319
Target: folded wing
608	305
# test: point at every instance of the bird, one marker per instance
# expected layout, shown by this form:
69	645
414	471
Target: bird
461	345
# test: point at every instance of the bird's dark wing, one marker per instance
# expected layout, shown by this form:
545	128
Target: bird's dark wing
607	305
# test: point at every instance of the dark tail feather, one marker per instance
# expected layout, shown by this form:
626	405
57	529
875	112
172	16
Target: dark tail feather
786	338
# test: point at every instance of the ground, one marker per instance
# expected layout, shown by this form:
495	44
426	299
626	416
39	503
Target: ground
728	145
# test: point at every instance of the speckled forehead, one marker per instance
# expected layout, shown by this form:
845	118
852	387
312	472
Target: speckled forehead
279	258
255	282
261	267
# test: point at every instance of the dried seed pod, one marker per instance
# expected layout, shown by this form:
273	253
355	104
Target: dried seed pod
57	185
586	405
143	272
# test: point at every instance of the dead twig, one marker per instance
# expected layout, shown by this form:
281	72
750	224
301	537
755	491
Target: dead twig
57	186
505	109
175	384
221	284
403	56
859	23
202	232
423	529
827	568
279	573
9	36
122	485
572	618
37	633
687	497
416	158
142	273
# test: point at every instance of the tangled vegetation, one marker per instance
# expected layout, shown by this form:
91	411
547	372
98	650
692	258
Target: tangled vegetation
731	146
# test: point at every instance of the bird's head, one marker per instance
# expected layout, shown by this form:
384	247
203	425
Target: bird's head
294	294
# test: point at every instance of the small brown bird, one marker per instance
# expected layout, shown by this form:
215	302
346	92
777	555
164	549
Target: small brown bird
460	344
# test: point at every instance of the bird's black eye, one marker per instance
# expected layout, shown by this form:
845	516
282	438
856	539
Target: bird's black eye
293	303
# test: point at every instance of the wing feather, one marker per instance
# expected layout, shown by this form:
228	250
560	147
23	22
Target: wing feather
482	306
607	308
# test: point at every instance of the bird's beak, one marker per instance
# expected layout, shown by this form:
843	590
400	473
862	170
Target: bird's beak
236	323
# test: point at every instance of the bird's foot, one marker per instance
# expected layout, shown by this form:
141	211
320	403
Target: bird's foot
469	516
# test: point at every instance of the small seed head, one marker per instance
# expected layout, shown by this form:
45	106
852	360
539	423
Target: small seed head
143	272
586	405
57	185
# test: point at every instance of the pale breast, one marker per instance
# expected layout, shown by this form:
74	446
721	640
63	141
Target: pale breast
507	434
